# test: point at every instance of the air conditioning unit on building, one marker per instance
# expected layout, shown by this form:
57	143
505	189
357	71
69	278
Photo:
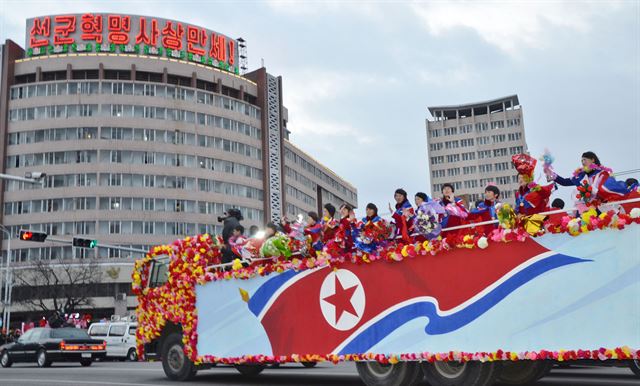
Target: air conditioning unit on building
121	296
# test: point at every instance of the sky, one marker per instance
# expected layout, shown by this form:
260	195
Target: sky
358	76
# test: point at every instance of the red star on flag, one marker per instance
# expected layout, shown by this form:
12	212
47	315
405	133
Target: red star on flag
341	299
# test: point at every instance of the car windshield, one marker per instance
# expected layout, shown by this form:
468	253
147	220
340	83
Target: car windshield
69	333
159	272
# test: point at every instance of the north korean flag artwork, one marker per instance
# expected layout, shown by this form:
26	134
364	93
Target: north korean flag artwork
350	309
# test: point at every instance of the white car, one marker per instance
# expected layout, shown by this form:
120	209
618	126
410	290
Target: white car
120	338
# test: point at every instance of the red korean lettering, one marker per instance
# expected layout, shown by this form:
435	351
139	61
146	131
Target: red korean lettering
232	52
65	25
150	39
91	27
196	37
218	47
41	28
172	38
119	28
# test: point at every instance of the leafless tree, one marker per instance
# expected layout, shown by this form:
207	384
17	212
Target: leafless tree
56	285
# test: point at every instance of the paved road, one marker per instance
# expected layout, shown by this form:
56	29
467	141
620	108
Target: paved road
147	374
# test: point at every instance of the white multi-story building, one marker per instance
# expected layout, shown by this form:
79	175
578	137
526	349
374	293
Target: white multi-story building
470	146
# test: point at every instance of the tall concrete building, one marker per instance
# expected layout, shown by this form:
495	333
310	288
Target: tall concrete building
470	146
147	129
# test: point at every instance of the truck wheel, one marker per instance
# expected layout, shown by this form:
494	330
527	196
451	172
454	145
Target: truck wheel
5	361
249	370
454	373
634	365
132	355
175	364
400	374
524	372
309	364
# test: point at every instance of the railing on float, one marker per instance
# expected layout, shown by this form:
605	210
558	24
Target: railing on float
249	261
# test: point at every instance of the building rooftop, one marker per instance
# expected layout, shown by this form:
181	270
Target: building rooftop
480	108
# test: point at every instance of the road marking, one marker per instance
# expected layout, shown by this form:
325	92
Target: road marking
83	370
80	381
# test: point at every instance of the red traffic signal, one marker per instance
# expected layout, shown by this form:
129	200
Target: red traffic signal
32	236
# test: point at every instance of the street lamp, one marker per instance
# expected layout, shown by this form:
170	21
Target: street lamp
33	178
6	313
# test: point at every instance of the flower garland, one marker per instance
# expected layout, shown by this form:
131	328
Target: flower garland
590	168
618	353
190	259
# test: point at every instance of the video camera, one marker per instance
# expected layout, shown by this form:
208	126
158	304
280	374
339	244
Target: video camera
233	212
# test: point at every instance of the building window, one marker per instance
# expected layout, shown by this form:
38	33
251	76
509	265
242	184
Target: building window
437	173
513	122
452	144
468	156
453	172
486	181
499	138
468	169
485	168
114	227
453	158
497	125
500	152
464	129
516	150
482	126
435	133
450	131
436	146
466	142
502	166
515	136
484	154
437	160
469	184
503	180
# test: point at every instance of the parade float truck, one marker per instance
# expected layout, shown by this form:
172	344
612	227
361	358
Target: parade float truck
460	309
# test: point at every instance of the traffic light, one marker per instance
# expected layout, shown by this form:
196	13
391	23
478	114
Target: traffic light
84	243
32	236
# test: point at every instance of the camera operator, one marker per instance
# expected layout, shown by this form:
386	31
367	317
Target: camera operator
230	221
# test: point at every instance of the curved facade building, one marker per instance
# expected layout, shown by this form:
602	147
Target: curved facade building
143	144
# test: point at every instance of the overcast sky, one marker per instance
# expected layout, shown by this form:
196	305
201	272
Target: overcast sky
358	76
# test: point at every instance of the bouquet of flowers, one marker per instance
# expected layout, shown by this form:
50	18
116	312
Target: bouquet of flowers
298	240
506	216
426	221
585	192
373	232
276	246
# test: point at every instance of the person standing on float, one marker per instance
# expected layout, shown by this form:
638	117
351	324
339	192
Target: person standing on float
604	187
329	224
456	212
486	210
531	197
402	215
345	229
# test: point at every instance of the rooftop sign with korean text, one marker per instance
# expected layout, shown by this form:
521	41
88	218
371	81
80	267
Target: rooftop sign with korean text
130	34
